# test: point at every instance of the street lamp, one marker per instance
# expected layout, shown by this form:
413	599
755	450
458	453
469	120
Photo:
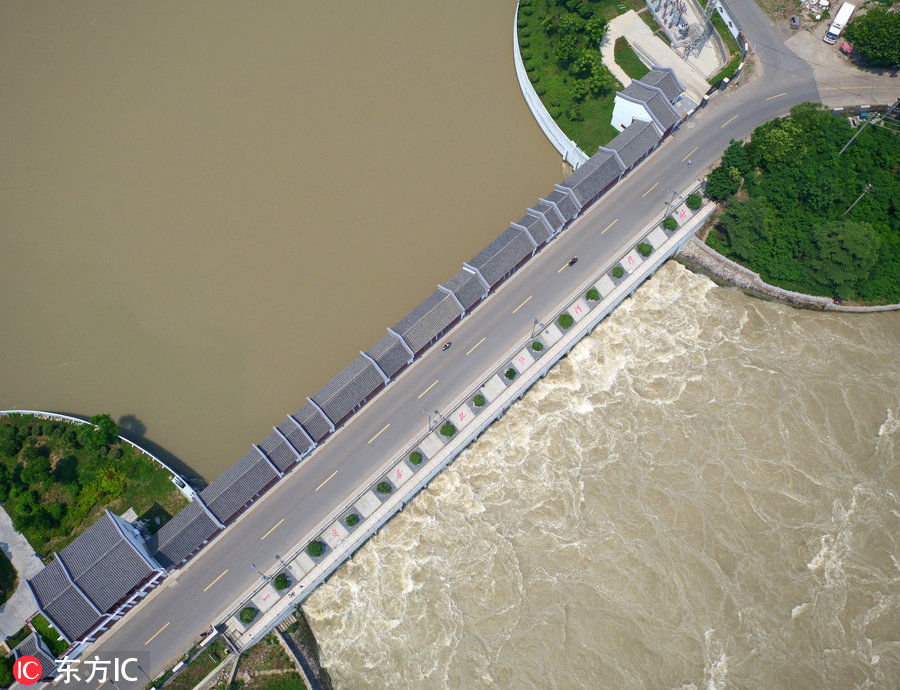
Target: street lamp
669	205
425	412
538	324
253	565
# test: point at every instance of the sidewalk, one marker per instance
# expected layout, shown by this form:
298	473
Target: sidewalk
21	605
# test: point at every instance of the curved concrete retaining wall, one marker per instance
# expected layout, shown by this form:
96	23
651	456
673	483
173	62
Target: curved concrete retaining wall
567	148
699	256
177	479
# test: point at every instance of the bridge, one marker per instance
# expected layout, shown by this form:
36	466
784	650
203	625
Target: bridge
318	463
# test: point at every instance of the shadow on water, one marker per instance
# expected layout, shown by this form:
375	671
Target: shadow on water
132	428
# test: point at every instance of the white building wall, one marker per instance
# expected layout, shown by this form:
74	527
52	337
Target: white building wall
624	111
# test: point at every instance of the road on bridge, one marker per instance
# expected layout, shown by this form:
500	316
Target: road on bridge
175	614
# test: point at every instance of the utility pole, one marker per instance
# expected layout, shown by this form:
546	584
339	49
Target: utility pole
864	192
887	114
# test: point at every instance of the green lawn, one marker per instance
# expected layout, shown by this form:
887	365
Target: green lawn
49	635
200	667
8	579
628	60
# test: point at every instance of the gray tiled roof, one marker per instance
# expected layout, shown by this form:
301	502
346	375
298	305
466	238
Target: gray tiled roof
502	255
428	320
564	203
34	646
316	425
104	564
590	179
390	355
182	535
234	488
68	609
655	101
535	227
349	389
636	140
550	213
280	452
467	288
663	78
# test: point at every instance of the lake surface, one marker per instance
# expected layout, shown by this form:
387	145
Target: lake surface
210	208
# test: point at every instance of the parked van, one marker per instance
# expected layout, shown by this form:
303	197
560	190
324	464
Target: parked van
840	21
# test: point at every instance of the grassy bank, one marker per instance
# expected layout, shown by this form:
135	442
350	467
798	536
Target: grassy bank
57	477
560	51
200	666
628	60
789	195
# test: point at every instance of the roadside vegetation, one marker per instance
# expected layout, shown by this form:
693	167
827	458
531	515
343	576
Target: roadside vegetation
876	37
6	674
788	198
645	248
731	46
265	666
199	667
57	477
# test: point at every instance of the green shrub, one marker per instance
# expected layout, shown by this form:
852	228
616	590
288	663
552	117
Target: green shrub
352	519
383	488
694	201
645	249
593	295
478	400
248	613
565	321
315	548
510	373
280	582
537	346
618	272
415	457
448	429
670	223
6	675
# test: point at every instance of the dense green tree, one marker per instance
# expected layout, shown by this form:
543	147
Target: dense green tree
876	36
566	50
846	251
6	675
570	24
595	29
736	157
10	443
722	182
102	432
746	226
38	471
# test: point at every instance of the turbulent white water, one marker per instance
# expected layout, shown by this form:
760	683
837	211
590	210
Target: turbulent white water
703	494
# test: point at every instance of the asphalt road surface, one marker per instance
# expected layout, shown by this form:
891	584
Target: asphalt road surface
189	602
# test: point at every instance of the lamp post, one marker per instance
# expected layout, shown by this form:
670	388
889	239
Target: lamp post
428	416
538	324
253	565
671	201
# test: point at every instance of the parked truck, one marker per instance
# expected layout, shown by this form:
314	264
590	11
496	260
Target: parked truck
840	22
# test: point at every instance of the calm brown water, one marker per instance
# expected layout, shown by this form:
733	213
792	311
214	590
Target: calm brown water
210	208
705	493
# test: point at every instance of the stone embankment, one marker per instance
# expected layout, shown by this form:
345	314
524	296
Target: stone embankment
701	258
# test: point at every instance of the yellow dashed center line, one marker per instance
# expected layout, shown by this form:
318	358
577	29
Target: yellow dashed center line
476	345
695	148
422	393
271	530
650	190
326	481
728	121
157	633
226	570
609	226
525	302
778	95
387	425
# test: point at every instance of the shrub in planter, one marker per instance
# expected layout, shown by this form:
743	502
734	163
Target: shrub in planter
448	429
478	400
694	201
352	519
315	548
618	272
247	614
645	248
383	488
670	223
415	457
280	582
565	321
592	295
510	373
537	346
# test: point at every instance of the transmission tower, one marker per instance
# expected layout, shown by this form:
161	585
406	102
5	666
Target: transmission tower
699	38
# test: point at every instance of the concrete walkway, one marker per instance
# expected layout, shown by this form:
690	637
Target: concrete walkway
652	50
21	605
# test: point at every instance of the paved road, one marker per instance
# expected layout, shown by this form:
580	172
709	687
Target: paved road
168	622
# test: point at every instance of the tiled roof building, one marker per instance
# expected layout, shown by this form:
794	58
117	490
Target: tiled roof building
390	355
504	255
549	213
34	646
349	390
635	142
664	79
238	486
428	321
183	536
317	425
564	203
282	451
598	174
467	288
536	227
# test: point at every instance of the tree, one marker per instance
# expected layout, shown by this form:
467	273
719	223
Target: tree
248	613
570	24
645	248
280	582
38	471
10	443
779	143
845	249
448	429
565	320
106	430
6	675
746	226
415	457
352	519
618	272
315	548
566	50
593	295
670	224
736	157
723	182
595	28
694	201
383	488
876	35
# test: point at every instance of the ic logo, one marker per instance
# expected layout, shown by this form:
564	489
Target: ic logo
27	670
